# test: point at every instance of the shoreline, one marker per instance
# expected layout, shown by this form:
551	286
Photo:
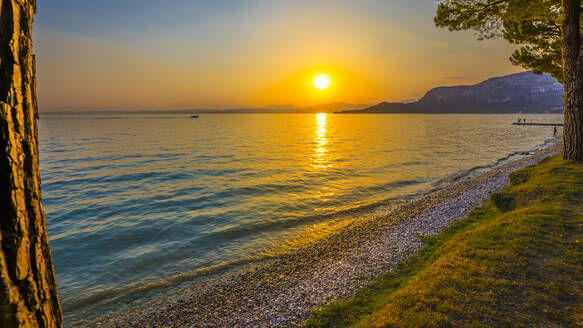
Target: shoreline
281	292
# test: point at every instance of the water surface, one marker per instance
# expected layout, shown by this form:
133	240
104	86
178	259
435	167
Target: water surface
136	204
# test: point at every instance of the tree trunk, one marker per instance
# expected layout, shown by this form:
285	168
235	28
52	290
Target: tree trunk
28	294
573	81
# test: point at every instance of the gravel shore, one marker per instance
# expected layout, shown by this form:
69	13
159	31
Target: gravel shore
281	293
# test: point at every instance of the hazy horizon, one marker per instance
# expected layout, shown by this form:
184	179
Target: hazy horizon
148	55
273	108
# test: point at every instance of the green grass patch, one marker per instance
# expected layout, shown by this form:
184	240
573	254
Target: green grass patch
516	261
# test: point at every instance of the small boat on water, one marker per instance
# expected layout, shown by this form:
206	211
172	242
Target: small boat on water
194	116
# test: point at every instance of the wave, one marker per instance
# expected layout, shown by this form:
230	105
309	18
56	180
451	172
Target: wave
463	174
105	297
102	298
137	290
169	206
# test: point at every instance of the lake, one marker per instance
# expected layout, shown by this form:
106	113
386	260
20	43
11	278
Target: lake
139	206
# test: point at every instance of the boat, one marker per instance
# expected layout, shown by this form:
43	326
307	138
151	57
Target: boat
194	116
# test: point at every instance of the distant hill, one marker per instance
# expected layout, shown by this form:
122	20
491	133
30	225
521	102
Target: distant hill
517	93
276	109
271	109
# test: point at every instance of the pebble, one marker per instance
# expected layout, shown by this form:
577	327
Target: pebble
281	293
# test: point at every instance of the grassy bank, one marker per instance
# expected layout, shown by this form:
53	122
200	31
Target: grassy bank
515	261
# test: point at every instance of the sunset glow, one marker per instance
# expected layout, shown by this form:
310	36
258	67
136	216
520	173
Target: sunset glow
234	163
200	55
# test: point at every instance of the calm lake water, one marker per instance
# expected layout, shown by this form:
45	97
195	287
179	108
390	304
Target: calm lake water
139	204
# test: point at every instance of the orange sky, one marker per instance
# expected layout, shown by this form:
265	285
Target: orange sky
254	56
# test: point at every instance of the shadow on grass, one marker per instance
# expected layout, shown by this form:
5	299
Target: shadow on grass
515	261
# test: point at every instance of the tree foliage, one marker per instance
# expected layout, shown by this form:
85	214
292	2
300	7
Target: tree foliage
535	25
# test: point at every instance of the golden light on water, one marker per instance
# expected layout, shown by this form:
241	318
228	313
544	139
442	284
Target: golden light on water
322	81
321	150
321	117
306	236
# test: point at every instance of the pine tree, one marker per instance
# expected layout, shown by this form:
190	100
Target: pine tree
549	35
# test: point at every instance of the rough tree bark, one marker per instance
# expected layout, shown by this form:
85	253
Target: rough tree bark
28	294
573	81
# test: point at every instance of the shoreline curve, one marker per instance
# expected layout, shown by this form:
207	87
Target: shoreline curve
281	292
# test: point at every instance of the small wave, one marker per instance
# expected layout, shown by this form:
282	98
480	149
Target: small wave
315	227
105	297
125	218
463	174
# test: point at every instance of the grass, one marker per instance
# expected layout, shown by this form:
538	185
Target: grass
516	261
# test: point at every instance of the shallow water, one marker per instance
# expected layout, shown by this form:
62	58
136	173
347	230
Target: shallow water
136	204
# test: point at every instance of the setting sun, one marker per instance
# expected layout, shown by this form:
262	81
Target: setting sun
255	160
322	81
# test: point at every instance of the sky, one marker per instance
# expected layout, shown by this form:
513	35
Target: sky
216	54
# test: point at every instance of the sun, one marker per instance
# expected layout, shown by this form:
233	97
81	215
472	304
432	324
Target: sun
322	81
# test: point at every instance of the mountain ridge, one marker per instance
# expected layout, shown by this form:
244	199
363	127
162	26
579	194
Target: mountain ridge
524	92
330	107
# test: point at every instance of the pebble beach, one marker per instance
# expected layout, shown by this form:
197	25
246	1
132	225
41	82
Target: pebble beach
281	292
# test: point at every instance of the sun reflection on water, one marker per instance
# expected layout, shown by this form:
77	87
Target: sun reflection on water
321	150
306	236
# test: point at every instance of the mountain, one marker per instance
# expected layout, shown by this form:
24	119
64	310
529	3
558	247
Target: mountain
277	109
322	108
524	92
271	109
334	107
